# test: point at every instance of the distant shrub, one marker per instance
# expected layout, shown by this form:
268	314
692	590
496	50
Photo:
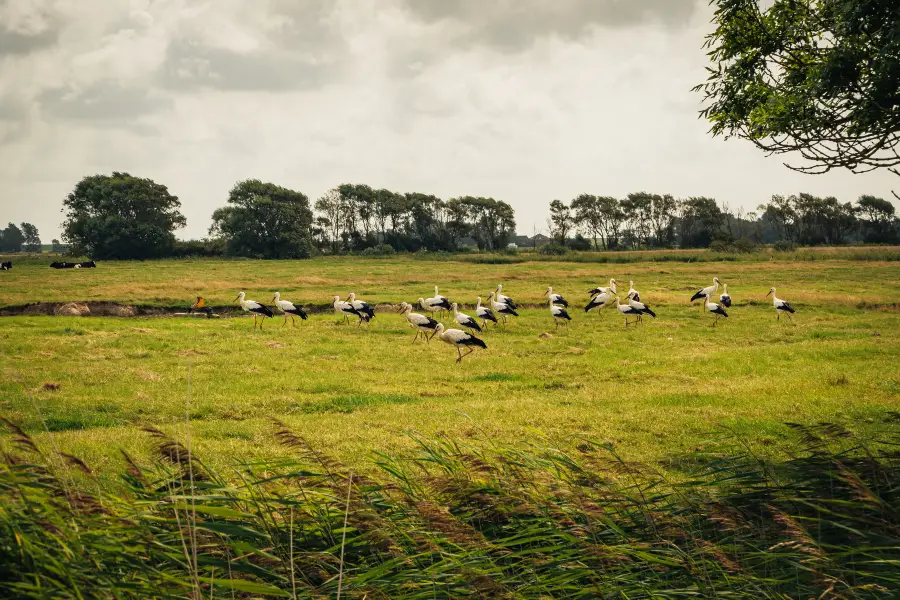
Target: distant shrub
745	245
719	246
553	250
509	251
580	243
784	246
379	250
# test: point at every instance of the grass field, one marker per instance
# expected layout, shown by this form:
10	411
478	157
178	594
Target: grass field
654	391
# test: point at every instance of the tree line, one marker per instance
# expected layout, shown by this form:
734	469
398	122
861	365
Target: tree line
16	238
644	220
120	216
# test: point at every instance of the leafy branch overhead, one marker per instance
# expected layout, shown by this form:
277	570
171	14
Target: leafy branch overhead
816	77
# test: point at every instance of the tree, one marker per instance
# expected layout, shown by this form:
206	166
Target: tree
32	241
561	221
11	239
119	216
264	220
589	218
879	224
815	77
701	221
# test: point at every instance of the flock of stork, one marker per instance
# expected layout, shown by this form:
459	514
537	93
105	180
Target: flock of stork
498	309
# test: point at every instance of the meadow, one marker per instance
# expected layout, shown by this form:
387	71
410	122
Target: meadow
654	391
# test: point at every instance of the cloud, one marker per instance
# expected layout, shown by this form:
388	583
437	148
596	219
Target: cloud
101	102
514	25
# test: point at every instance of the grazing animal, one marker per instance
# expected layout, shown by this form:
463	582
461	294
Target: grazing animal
556	298
6	266
707	291
602	299
366	310
781	306
725	299
485	314
289	309
559	314
504	299
611	290
459	338
715	309
344	308
422	324
502	308
62	265
639	306
627	311
464	319
254	307
200	306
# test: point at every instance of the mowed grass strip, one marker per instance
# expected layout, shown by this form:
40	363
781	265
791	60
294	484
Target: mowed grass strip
314	282
653	390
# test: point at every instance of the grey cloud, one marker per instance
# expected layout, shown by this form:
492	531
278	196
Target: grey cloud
14	42
190	65
513	25
103	103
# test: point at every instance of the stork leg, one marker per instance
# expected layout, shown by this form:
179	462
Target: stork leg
790	318
716	321
285	320
293	321
778	312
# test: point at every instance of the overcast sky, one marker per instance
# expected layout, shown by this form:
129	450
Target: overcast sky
521	100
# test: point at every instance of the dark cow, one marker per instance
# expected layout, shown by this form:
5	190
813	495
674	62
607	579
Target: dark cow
89	264
6	266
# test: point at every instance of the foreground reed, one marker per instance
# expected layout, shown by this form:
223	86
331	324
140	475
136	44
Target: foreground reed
450	521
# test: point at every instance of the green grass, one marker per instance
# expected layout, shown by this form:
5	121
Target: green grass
650	391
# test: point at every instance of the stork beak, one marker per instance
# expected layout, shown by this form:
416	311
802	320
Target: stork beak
769	294
235	299
547	292
399	309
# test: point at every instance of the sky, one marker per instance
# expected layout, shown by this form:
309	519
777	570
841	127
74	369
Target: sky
521	100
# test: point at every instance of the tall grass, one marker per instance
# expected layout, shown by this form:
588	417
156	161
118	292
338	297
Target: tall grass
453	521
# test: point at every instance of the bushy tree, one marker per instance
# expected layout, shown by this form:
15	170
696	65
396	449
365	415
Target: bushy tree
562	221
878	221
32	241
119	216
264	220
11	239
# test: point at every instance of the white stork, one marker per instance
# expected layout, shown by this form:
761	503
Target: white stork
288	308
442	302
611	290
639	306
459	338
502	308
602	299
627	311
715	309
254	307
464	319
344	308
422	324
485	314
559	314
781	306
556	298
504	299
366	311
633	292
423	304
707	291
725	299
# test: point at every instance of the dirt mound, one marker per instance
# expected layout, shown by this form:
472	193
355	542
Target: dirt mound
72	309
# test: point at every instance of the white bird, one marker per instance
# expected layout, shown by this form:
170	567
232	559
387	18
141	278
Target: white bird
725	299
423	304
781	306
254	307
459	338
485	314
422	324
556	298
633	292
716	310
627	311
437	303
344	308
502	308
366	311
504	299
288	308
559	314
707	291
464	319
611	290
642	308
602	299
